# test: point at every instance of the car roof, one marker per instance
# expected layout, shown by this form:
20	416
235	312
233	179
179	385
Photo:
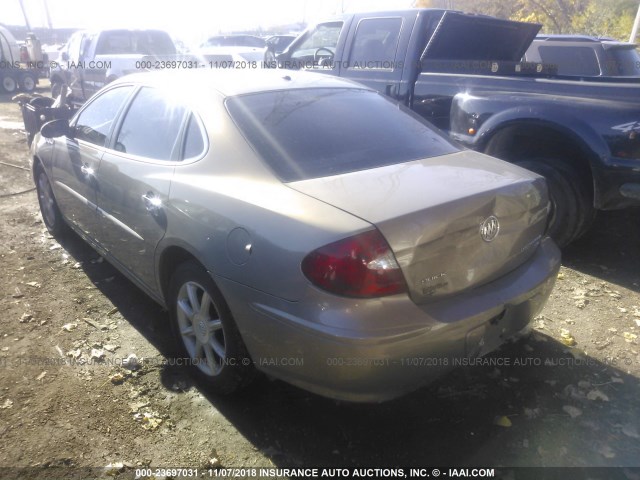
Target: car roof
233	82
574	40
579	38
233	35
571	38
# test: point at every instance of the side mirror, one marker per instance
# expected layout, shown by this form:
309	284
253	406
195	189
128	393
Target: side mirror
55	128
64	56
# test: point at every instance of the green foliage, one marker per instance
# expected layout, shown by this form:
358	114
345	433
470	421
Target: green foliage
610	18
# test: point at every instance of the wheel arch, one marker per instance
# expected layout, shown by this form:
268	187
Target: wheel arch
36	166
530	139
168	261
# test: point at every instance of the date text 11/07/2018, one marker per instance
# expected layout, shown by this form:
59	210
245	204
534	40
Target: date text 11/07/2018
350	473
192	64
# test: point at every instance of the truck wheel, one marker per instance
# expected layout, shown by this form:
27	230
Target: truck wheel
28	82
571	208
205	332
8	83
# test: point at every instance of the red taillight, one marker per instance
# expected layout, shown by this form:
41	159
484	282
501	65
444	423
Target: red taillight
358	266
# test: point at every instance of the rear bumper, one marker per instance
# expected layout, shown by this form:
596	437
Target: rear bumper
375	350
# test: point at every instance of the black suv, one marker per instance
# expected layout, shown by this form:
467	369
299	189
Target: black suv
584	56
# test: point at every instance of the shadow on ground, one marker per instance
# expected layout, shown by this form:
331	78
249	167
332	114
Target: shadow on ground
564	410
610	250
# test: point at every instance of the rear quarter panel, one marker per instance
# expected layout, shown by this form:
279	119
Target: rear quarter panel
244	224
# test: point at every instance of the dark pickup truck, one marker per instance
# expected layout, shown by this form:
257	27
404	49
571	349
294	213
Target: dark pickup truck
465	74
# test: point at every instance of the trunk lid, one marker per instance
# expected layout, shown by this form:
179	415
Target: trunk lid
434	213
460	36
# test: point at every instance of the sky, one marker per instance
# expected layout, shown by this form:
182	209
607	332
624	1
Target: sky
189	20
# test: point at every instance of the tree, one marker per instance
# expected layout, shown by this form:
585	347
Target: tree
611	18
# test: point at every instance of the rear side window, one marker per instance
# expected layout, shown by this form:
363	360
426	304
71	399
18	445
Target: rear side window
312	133
574	61
375	43
193	141
96	119
151	127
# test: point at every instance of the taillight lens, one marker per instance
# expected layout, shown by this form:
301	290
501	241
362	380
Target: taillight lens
359	266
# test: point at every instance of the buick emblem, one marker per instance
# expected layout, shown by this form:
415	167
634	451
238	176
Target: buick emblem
489	229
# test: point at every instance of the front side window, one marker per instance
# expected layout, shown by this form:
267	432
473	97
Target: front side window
151	126
324	36
311	133
96	119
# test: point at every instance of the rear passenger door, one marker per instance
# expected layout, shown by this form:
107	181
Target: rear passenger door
135	177
375	52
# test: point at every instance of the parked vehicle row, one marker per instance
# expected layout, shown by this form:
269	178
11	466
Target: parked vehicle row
92	59
327	231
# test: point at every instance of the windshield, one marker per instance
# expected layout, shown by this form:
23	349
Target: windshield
313	133
235	41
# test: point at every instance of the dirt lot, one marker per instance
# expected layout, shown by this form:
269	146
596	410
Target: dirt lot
566	395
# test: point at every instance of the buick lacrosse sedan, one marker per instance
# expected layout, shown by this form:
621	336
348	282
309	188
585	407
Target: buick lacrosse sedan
300	225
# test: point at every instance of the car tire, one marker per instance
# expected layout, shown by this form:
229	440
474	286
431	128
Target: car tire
28	82
49	209
205	332
8	83
572	209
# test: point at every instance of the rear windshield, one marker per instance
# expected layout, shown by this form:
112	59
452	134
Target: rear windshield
145	42
313	133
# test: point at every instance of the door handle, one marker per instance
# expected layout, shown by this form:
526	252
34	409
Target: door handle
87	170
152	203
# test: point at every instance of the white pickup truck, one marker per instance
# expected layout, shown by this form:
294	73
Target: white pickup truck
92	59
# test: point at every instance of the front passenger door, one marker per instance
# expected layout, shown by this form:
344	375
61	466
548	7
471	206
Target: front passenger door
76	158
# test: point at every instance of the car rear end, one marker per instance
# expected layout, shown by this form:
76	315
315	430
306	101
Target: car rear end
451	262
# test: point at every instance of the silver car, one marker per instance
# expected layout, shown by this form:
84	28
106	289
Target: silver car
300	225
